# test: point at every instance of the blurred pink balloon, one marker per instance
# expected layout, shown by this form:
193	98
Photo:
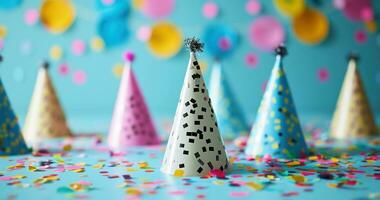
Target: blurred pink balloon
210	10
353	9
266	33
157	9
253	7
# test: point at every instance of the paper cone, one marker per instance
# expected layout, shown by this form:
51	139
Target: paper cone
277	132
11	139
45	118
195	146
230	119
131	123
353	116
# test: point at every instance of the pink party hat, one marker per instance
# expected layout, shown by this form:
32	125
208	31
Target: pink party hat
131	123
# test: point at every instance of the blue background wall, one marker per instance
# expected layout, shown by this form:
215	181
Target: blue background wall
161	79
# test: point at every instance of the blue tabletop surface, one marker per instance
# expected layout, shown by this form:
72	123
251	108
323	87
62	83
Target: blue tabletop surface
88	171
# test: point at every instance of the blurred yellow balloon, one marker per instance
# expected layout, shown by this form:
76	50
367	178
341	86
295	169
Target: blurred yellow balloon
165	40
290	8
311	27
3	31
57	15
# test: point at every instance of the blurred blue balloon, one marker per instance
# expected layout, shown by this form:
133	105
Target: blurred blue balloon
117	7
220	40
112	29
9	4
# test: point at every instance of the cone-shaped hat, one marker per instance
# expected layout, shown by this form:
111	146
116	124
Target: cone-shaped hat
195	146
45	118
231	120
277	132
11	139
353	116
131	123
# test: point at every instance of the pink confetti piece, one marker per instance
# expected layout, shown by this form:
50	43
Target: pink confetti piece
360	36
31	17
290	194
177	192
78	47
367	14
6	178
1	44
253	7
210	10
63	69
144	33
79	77
238	194
323	74
251	60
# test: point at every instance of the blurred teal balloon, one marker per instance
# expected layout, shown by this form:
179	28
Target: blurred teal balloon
115	7
9	4
113	29
220	40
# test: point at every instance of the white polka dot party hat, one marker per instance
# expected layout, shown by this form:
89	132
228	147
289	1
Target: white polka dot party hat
195	147
11	139
45	118
353	116
131	123
277	131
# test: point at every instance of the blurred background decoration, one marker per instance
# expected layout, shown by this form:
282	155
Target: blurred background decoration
84	40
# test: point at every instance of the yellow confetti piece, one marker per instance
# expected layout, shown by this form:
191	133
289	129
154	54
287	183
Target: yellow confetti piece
67	147
130	169
56	52
19	176
298	178
255	186
58	158
32	168
3	31
270	177
97	44
78	170
179	172
218	182
143	165
293	163
98	166
117	70
133	191
275	146
334	160
77	186
313	158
